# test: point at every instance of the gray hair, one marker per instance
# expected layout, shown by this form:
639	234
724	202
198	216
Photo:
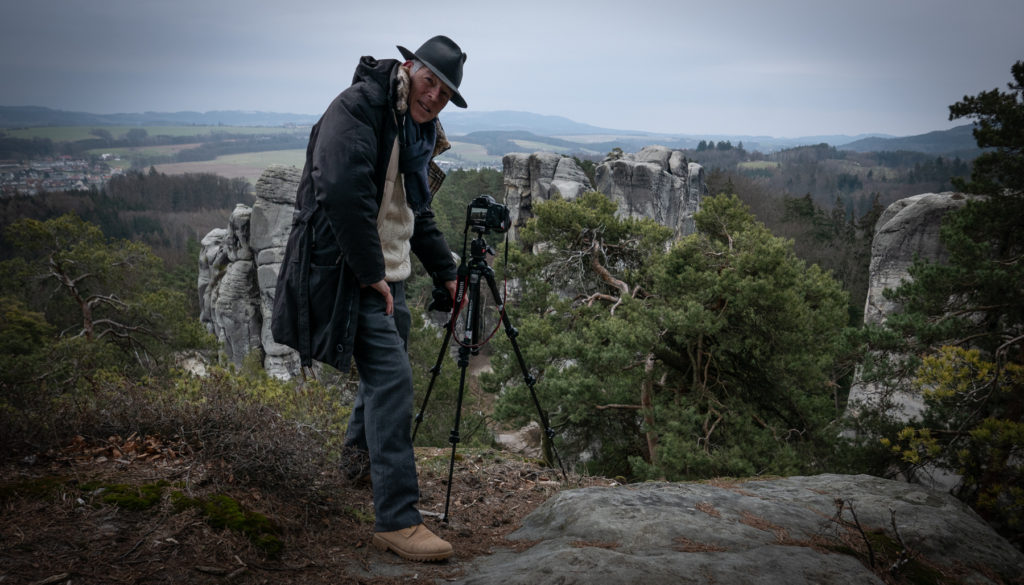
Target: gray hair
416	66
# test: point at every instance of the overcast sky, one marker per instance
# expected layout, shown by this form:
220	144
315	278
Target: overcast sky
781	68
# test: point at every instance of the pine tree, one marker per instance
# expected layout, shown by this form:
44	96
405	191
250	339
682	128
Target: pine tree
966	317
710	358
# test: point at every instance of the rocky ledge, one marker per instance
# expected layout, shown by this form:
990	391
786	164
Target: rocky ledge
826	529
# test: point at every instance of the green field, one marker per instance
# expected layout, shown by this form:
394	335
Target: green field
470	154
757	165
249	165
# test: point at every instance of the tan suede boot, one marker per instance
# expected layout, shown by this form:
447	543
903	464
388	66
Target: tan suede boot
416	543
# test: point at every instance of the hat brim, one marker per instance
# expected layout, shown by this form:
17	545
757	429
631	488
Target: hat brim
457	98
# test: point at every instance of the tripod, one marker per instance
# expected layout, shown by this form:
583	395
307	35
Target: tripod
470	275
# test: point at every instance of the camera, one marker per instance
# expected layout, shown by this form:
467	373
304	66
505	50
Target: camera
484	214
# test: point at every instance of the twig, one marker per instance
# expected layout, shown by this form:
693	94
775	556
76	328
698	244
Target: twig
53	579
139	543
905	555
867	543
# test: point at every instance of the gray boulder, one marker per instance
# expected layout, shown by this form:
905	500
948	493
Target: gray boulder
785	531
907	229
657	183
538	177
238	273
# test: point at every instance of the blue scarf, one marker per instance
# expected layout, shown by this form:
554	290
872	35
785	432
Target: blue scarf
416	147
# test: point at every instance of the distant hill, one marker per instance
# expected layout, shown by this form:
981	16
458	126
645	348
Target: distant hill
957	141
29	116
506	131
458	122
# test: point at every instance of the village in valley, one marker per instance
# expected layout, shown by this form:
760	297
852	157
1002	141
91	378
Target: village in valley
58	173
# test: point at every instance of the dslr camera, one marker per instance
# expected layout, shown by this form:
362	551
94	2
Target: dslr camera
484	214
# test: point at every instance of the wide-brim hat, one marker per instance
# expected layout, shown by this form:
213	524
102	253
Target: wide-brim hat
442	56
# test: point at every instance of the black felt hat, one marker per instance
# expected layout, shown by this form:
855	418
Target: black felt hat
442	56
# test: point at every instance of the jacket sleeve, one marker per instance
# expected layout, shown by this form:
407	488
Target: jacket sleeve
431	248
344	164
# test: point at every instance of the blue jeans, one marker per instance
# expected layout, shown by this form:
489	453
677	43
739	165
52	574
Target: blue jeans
381	418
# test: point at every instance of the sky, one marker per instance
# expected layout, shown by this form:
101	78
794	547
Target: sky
784	68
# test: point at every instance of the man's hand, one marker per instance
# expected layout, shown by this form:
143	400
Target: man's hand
453	289
381	286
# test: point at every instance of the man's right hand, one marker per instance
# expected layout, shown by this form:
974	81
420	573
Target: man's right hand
381	286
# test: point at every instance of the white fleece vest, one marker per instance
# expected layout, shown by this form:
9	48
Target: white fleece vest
395	224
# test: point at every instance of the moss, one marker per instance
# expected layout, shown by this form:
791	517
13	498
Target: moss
127	496
359	515
224	512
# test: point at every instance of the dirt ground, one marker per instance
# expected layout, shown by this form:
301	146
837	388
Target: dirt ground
59	525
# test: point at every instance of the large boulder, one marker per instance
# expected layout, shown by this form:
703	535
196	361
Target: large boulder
656	183
238	270
907	229
538	177
786	531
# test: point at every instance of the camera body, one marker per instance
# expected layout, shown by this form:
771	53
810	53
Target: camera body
484	214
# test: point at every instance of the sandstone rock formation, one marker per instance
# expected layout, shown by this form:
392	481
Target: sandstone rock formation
539	177
238	270
657	183
779	531
908	228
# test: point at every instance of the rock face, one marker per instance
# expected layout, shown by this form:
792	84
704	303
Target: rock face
539	177
657	183
779	531
238	270
907	228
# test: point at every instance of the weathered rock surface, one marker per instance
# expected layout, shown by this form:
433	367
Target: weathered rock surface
907	229
238	272
777	531
538	177
657	183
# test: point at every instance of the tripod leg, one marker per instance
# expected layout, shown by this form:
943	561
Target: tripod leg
512	333
472	334
454	437
434	371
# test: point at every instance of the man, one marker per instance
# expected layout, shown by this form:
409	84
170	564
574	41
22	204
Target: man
363	204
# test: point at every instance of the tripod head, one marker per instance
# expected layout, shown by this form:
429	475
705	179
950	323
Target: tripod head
479	248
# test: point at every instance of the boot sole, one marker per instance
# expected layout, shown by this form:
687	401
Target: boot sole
384	545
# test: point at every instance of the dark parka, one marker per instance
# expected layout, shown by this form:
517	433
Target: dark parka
334	246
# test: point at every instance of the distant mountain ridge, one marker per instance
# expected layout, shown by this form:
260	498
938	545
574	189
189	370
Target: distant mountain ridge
488	127
958	141
28	116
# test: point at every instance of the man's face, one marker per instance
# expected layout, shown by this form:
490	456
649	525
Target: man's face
428	96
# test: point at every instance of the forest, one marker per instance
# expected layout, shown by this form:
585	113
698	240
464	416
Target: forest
728	353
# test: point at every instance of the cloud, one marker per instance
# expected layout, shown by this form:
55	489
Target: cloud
784	68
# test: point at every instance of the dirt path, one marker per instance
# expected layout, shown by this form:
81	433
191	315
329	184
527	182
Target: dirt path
62	524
